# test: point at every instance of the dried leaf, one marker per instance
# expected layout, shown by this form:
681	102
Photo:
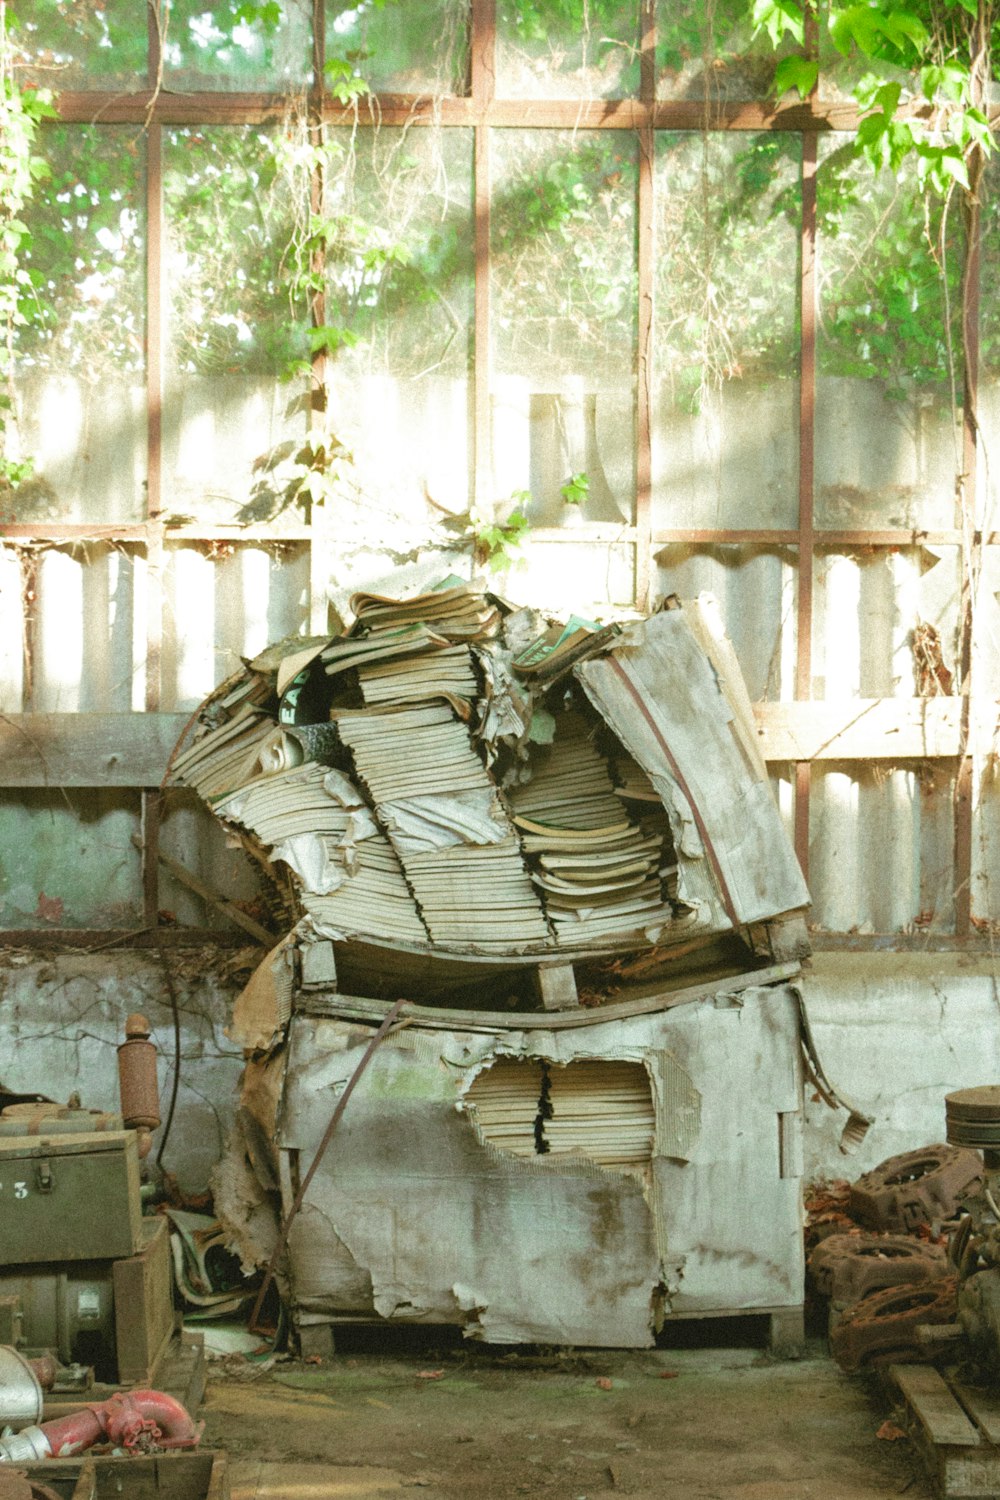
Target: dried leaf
430	1374
603	1383
890	1433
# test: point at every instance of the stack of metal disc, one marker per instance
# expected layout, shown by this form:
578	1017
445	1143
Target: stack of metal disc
973	1117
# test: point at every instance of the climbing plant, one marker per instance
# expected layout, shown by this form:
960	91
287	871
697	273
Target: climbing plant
21	168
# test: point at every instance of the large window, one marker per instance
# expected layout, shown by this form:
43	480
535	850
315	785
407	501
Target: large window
555	257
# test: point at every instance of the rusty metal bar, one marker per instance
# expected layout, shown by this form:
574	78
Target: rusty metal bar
646	289
806	537
483	84
972	554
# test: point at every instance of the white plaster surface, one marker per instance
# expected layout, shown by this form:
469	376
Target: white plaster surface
61	1019
896	1032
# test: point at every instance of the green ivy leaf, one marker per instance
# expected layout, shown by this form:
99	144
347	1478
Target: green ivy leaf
796	72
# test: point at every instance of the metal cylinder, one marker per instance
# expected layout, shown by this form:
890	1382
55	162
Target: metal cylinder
28	1447
20	1390
138	1087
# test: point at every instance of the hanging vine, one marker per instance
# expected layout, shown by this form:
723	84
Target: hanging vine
21	168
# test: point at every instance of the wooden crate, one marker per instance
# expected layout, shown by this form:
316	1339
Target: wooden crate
187	1475
955	1427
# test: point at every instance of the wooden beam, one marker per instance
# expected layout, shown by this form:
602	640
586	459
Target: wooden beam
862	729
81	750
131	750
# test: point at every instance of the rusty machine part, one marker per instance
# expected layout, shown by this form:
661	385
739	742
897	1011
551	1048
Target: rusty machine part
138	1421
847	1267
973	1119
884	1326
20	1389
919	1187
137	1082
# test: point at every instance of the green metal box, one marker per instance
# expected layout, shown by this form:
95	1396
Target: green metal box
69	1197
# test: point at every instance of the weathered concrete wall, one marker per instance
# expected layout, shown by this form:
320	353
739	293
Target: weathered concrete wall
61	1019
895	1032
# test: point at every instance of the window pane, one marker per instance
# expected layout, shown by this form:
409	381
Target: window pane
887	435
234	327
567	49
867	606
725	331
708	53
757	590
881	841
226	44
79	357
399	46
563	298
75	44
400	303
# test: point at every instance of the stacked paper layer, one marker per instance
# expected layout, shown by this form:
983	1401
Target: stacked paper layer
479	895
456	611
599	871
472	890
439	674
507	1101
226	757
602	1111
374	900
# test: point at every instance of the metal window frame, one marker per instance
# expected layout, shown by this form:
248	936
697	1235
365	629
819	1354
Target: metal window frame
482	111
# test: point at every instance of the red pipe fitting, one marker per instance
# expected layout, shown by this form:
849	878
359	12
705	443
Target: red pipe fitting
139	1421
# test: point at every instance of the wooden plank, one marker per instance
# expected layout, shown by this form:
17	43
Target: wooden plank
86	750
131	750
860	729
934	1406
354	1007
984	1409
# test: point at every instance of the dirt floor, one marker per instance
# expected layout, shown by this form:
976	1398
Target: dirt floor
452	1422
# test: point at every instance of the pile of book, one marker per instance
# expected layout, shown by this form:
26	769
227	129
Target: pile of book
602	1111
381	803
598	869
454	610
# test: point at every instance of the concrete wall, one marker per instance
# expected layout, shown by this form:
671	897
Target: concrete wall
895	1032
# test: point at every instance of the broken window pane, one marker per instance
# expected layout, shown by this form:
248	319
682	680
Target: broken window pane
563	302
399	47
888	438
567	49
399	327
757	590
79	376
67	859
885	623
881	842
76	44
236	201
726	331
708	52
223	44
